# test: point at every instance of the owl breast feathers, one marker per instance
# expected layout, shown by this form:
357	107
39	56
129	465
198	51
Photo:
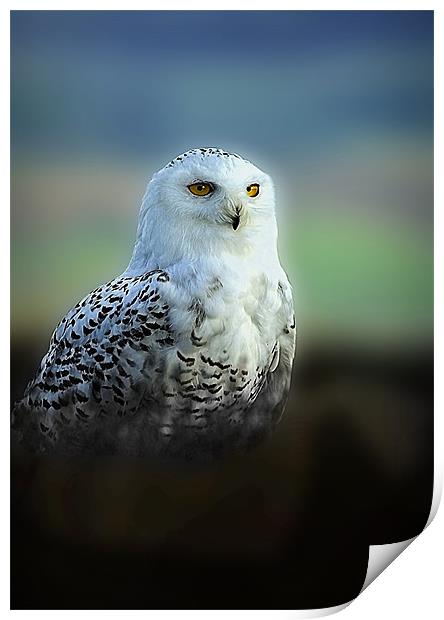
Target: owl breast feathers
189	359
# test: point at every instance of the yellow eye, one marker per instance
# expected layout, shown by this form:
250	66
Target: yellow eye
201	189
253	190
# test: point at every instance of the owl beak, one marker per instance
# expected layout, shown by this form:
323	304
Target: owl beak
236	217
233	214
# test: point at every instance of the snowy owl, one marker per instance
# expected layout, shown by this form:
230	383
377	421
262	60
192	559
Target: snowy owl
189	352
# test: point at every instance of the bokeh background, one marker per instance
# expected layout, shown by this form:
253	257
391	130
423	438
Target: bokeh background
338	107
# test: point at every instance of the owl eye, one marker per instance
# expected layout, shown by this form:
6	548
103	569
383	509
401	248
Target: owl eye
253	190
200	188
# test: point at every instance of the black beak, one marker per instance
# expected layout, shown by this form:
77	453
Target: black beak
236	218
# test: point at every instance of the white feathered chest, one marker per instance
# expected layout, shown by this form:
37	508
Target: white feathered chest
233	328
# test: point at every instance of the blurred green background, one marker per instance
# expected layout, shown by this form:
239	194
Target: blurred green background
337	106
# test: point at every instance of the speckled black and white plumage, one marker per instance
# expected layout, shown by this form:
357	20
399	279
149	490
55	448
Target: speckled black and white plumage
187	354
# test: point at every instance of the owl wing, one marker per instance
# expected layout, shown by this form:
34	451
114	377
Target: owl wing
272	388
97	357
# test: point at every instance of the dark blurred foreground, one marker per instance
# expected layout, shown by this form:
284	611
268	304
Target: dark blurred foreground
286	526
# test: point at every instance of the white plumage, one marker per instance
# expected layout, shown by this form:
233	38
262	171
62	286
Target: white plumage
189	352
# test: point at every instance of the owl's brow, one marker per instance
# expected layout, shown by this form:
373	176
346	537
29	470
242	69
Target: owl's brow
204	153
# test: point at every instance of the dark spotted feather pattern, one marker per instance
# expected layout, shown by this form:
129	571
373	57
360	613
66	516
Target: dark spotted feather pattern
118	378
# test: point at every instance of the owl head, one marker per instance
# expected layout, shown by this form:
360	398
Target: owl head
205	201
